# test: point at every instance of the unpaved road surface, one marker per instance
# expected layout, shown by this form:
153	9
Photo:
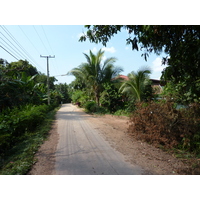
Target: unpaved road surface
74	146
81	149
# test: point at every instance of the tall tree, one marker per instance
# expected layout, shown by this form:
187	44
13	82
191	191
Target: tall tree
94	73
180	43
63	89
137	84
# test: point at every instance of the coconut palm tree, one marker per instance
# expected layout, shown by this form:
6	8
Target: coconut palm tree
136	84
94	73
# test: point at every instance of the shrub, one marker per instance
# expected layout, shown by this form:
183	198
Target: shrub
90	106
161	124
121	112
18	121
79	97
101	110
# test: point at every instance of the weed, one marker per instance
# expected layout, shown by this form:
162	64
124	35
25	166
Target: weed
20	158
161	124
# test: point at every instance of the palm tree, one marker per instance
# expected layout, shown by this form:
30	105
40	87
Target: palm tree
94	73
136	84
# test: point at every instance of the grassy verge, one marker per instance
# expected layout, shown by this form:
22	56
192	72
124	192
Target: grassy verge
20	158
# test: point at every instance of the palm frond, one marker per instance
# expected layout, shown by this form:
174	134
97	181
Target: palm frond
136	83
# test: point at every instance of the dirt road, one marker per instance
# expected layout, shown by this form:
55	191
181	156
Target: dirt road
81	149
79	143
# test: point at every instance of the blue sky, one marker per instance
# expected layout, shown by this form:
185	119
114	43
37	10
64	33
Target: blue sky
62	41
69	53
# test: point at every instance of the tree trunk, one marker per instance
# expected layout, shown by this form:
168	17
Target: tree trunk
97	96
97	99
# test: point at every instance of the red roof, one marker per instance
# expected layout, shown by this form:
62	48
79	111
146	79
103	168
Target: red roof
154	81
122	77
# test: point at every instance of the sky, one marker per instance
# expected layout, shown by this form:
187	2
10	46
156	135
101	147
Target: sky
62	41
63	22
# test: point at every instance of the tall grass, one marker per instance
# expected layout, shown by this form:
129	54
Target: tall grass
26	134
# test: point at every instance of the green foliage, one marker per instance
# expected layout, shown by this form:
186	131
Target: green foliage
22	109
182	92
21	84
42	78
79	97
20	157
90	106
180	43
110	98
138	86
16	122
122	112
63	90
94	73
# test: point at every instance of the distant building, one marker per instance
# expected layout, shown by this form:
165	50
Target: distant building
157	85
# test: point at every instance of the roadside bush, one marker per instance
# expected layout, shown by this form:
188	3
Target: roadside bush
121	112
111	98
15	123
79	97
101	110
20	157
90	106
162	124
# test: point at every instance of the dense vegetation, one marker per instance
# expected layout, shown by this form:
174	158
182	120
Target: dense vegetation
180	43
155	118
23	108
98	86
170	119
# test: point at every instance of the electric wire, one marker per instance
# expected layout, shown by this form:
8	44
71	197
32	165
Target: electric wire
8	52
47	39
31	44
29	40
50	48
16	42
20	46
40	39
28	55
17	52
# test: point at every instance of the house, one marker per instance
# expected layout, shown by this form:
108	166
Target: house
157	85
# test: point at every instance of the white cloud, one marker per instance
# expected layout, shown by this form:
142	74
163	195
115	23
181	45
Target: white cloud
94	50
157	68
157	65
111	49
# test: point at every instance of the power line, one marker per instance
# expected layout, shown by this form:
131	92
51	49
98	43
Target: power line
31	44
47	39
16	42
17	52
20	46
29	39
9	52
40	38
50	48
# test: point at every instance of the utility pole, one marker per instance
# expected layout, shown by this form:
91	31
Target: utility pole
48	92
